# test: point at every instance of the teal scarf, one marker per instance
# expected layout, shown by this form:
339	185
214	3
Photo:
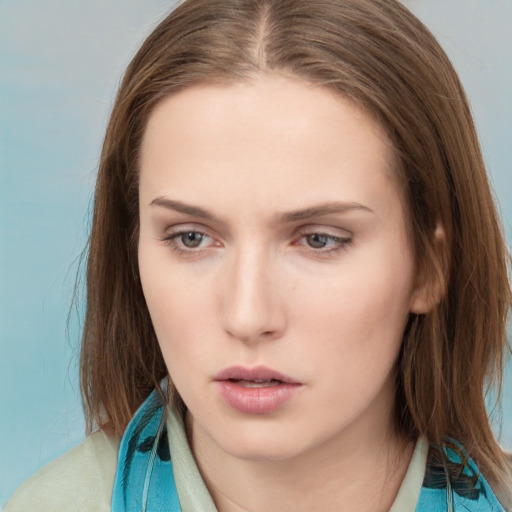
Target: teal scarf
145	479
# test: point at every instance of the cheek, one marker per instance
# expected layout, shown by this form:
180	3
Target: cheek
363	297
355	320
357	339
180	308
174	309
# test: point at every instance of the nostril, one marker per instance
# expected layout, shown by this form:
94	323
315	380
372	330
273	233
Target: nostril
251	334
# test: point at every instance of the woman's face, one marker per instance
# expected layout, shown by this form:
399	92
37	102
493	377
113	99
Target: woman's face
275	264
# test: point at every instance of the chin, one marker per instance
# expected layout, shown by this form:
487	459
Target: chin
252	451
263	445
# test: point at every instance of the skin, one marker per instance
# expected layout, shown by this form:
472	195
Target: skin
320	296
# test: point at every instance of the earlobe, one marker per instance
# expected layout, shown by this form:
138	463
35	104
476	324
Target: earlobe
424	301
430	285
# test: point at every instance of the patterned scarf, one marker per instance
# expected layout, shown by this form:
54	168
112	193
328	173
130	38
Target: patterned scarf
145	480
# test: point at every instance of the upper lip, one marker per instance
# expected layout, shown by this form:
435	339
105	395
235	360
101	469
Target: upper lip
254	373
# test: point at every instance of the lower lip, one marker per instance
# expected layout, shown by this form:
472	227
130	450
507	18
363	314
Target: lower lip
262	400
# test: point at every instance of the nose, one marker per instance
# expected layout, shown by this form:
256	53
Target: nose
252	309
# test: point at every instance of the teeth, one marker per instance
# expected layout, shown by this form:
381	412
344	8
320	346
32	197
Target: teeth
257	383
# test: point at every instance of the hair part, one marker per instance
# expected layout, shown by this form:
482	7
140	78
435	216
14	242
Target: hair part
376	53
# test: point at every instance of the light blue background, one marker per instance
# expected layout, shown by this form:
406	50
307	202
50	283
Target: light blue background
60	63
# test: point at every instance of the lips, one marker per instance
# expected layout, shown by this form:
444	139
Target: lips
257	383
258	373
258	390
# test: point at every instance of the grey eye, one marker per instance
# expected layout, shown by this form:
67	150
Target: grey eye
317	241
192	239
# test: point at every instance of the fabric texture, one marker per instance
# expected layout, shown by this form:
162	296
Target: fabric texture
152	470
79	481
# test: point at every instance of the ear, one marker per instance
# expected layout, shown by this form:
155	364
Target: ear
430	283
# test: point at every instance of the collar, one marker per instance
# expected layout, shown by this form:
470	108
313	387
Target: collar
145	481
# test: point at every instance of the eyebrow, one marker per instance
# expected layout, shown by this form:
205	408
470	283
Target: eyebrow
323	209
178	206
287	217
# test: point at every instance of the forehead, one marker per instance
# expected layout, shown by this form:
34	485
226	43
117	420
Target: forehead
266	140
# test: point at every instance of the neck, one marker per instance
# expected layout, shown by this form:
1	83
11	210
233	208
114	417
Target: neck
370	469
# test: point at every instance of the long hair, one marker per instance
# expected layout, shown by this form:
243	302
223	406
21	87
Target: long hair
376	53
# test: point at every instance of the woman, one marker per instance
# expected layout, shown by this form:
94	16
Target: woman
294	245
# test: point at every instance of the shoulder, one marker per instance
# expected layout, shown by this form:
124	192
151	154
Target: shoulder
503	489
456	480
81	480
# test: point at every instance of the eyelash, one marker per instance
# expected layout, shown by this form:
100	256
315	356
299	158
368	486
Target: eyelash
172	241
339	243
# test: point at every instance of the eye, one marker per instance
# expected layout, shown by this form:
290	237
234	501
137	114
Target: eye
191	239
187	241
318	241
324	243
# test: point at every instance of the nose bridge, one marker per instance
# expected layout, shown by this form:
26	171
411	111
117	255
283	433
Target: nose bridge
250	301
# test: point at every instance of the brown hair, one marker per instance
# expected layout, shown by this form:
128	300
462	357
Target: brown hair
378	54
